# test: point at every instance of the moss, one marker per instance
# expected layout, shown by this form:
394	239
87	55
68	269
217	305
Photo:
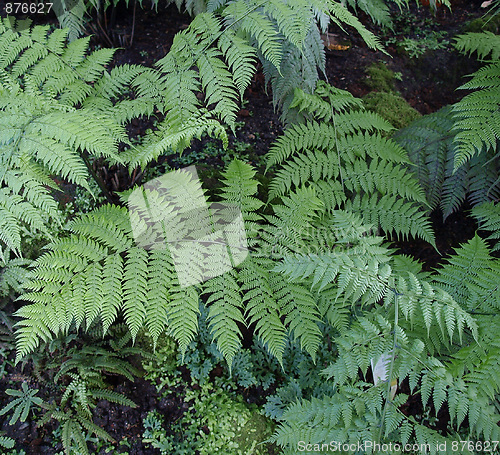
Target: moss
380	78
488	23
391	106
256	429
215	422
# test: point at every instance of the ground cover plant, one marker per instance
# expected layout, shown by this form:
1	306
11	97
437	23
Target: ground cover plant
320	332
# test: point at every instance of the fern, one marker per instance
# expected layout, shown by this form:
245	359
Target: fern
368	169
488	215
7	442
21	405
431	147
58	106
477	114
13	274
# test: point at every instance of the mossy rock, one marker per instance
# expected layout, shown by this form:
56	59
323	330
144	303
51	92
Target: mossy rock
392	107
380	78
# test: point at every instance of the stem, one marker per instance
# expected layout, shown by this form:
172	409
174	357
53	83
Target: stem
391	370
96	178
133	24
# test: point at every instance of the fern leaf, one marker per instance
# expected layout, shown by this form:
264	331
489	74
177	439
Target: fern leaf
393	214
241	58
262	308
182	314
160	278
112	291
483	43
301	311
256	24
135	289
488	215
225	313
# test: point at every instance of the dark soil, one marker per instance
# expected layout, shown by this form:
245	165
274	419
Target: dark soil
428	83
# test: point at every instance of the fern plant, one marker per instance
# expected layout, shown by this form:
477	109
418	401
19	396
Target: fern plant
80	383
455	149
98	271
316	253
59	109
348	168
488	217
432	148
477	114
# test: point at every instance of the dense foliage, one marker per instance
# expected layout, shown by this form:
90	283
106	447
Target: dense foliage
319	269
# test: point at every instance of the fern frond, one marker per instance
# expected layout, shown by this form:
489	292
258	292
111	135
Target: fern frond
301	313
483	43
430	145
256	24
261	304
377	10
386	178
470	275
292	221
96	274
218	84
240	56
56	109
393	215
325	101
478	118
341	15
304	168
313	135
173	135
477	114
488	215
182	315
225	313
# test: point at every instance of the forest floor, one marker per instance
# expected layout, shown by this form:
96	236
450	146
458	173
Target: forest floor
427	82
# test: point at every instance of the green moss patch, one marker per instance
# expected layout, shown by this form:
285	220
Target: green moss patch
392	107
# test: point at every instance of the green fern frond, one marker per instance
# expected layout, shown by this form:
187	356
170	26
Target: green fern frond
302	169
393	215
301	313
240	187
256	24
293	20
341	15
13	274
174	136
313	135
225	313
96	274
478	118
290	224
431	147
325	101
240	57
217	82
477	114
377	10
6	442
488	215
381	176
483	43
56	110
470	276
262	307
